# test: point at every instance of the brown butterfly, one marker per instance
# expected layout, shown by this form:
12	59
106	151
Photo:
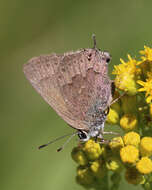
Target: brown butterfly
76	85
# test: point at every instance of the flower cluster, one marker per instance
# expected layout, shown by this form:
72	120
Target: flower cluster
131	152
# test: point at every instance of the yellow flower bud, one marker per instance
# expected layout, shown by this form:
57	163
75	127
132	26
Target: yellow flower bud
113	117
132	176
84	176
79	156
129	154
132	138
147	186
144	165
114	164
92	150
127	83
146	146
128	122
103	150
98	169
116	144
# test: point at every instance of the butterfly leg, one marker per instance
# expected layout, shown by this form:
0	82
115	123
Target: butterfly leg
115	100
102	132
109	133
104	141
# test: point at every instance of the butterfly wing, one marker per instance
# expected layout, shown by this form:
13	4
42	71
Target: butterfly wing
69	83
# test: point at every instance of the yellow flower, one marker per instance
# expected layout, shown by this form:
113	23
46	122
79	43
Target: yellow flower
126	82
126	67
147	86
79	156
114	164
92	150
113	116
128	122
144	165
126	74
147	54
129	154
84	176
98	169
116	144
146	146
132	138
134	177
146	60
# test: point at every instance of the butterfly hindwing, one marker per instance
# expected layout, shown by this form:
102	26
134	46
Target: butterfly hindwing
71	83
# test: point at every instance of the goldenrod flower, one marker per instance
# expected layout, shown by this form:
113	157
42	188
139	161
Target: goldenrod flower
147	54
92	150
79	156
146	62
113	116
131	112
147	86
132	138
129	154
98	169
126	76
128	122
134	177
84	176
126	82
144	165
116	144
146	146
126	67
114	164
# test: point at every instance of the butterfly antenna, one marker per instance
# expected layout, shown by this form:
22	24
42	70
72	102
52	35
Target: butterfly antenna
94	41
44	145
66	142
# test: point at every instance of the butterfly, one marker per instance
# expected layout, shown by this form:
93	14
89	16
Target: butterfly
77	86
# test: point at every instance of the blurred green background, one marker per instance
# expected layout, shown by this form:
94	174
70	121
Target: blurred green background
31	28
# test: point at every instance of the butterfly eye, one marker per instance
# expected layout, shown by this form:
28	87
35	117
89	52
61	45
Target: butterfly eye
108	59
107	56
